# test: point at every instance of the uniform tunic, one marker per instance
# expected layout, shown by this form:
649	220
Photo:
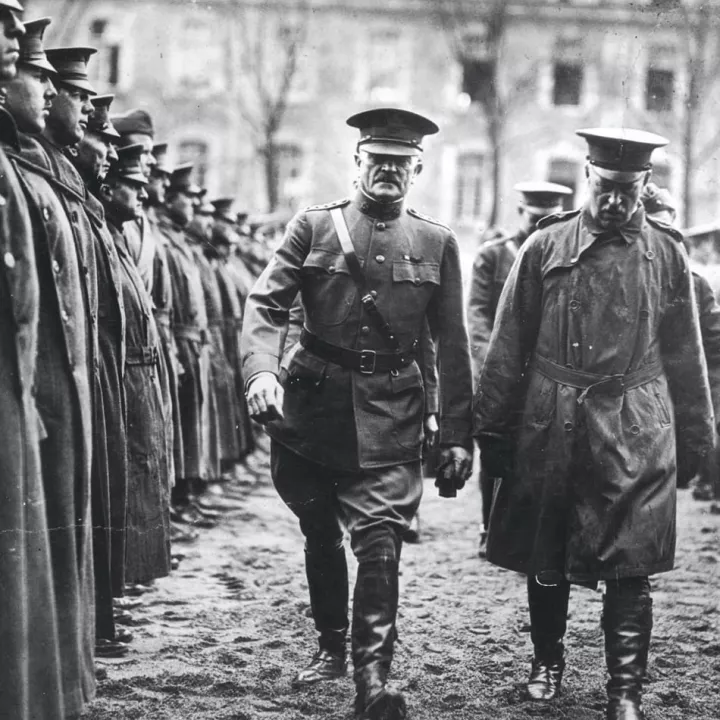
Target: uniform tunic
342	418
189	323
593	491
29	661
148	515
66	382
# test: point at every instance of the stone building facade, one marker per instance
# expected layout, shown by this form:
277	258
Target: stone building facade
564	64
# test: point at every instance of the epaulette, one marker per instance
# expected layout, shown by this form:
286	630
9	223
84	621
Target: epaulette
330	205
557	217
427	218
669	229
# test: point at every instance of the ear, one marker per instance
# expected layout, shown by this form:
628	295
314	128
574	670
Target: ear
106	192
358	159
646	178
587	171
418	168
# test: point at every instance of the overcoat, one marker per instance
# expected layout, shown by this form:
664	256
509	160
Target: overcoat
31	685
592	495
190	328
66	382
490	270
148	511
110	413
343	418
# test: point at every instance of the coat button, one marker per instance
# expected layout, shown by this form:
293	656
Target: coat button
9	260
56	266
46	213
365	330
635	429
568	426
373	293
574	304
650	255
3	201
64	316
381	226
331	269
380	258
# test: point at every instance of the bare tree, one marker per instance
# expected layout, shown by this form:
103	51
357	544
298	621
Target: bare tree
270	53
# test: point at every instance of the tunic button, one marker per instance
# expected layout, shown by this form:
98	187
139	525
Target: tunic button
3	201
373	293
46	213
650	255
331	269
416	281
568	426
380	258
9	260
65	316
365	330
635	429
574	304
381	226
56	266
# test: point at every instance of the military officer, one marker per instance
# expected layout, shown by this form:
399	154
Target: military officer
346	419
594	365
490	270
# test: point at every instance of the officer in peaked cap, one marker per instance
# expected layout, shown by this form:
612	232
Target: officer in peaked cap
490	270
160	175
332	451
136	126
594	367
71	66
31	92
99	121
97	150
223	209
160	151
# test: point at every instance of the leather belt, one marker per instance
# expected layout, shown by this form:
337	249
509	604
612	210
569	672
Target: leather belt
594	384
191	332
142	356
366	362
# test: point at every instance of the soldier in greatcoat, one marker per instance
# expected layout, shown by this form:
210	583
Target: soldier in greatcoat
594	366
92	158
148	518
347	417
67	370
490	270
31	685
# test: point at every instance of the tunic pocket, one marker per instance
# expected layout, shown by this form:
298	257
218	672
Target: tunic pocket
328	290
407	406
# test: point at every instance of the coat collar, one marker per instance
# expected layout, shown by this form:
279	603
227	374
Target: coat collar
628	233
8	130
379	211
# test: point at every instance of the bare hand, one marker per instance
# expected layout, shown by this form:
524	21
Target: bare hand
265	398
430	426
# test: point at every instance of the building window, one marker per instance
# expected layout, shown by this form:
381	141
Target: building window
567	83
199	55
468	192
104	68
478	80
196	152
659	90
385	61
565	172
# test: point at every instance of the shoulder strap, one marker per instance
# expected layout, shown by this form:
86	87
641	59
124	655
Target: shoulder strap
358	276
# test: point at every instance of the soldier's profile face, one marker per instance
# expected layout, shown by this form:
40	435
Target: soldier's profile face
69	114
12	30
147	159
612	202
127	199
156	188
93	155
29	99
386	178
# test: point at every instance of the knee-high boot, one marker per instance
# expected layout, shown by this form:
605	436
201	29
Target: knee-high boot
627	622
327	576
548	607
373	633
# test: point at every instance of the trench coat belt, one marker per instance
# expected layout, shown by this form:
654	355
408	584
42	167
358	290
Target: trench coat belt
162	317
594	384
191	332
142	355
365	361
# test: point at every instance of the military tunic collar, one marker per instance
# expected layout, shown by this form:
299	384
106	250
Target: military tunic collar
377	210
628	233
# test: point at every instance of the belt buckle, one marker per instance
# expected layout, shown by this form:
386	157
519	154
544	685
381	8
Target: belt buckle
367	361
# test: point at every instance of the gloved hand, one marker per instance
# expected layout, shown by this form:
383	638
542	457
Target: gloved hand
454	468
497	455
264	397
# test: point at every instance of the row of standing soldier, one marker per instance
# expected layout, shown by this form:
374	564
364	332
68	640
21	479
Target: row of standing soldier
122	392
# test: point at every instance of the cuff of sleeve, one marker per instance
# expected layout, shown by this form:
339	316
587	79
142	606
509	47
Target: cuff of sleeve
455	431
260	362
432	404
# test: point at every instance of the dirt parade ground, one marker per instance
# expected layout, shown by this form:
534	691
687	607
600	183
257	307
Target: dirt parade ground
223	636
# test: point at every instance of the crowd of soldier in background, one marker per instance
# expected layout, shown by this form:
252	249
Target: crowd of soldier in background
123	420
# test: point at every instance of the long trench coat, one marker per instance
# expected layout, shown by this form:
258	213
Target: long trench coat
29	660
592	495
66	384
148	512
190	328
225	435
342	418
111	413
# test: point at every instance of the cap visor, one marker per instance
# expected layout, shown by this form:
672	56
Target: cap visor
541	212
77	84
43	65
12	6
621	176
385	148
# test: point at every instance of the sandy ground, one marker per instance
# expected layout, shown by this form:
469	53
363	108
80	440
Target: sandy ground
223	636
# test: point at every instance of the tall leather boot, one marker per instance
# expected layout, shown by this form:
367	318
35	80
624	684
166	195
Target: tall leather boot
327	575
373	634
627	622
548	605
